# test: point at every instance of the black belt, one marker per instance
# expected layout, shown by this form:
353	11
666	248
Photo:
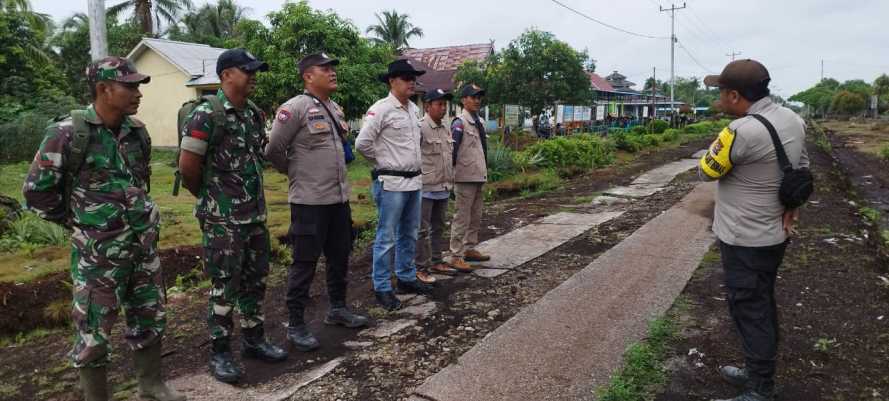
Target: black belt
405	174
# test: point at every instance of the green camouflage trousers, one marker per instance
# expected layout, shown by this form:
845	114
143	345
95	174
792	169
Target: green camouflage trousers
236	258
113	268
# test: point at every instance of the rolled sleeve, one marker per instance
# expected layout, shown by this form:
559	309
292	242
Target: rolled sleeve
197	131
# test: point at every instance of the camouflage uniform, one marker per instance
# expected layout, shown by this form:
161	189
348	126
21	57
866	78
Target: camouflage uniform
232	211
114	259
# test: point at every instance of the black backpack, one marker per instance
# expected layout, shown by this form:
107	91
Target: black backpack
797	184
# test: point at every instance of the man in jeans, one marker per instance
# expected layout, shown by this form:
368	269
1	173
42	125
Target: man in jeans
438	180
471	173
752	225
306	143
390	140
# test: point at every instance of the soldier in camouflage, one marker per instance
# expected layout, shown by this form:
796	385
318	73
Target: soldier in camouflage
222	167
114	260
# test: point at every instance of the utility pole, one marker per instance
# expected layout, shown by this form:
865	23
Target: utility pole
653	93
98	35
733	54
672	11
822	69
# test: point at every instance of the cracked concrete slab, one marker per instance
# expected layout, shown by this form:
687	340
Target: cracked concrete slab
600	310
526	243
666	173
635	191
390	327
304	379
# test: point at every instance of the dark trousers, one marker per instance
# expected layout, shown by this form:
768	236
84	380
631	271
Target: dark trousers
750	278
431	239
315	229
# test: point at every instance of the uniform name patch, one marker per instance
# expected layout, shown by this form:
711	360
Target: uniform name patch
314	110
283	115
316	117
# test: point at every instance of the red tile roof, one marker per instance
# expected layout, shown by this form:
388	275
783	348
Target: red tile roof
599	83
450	57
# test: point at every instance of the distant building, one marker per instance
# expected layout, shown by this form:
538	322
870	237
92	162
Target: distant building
441	64
179	71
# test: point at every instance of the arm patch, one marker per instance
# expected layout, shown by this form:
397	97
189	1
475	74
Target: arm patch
717	162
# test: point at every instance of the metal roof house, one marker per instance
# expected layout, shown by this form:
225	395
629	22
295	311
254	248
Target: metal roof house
179	71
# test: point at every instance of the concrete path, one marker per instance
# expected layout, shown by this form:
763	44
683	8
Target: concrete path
569	343
520	246
652	181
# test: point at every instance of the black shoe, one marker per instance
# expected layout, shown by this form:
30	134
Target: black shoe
301	338
255	345
387	300
222	363
344	317
751	395
736	376
412	287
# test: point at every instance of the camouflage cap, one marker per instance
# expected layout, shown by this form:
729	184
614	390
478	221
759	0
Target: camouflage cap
114	69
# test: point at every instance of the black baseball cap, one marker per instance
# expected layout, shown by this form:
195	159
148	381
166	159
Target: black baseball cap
471	90
740	75
239	58
315	59
436	94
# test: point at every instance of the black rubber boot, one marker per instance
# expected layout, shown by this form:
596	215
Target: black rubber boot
412	287
151	384
222	363
254	345
94	382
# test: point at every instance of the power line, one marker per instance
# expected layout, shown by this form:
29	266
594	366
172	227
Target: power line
681	46
606	24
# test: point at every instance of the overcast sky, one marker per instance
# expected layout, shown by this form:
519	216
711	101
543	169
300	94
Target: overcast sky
790	37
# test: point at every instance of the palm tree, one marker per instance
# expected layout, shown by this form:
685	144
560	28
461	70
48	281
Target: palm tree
148	14
393	28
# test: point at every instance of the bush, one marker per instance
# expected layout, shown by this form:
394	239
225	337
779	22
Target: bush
20	137
500	162
31	232
639	130
584	151
671	135
626	142
658	126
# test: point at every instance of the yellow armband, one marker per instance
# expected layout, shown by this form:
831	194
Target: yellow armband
718	162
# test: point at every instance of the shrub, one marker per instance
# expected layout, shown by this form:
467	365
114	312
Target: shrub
658	126
671	134
639	130
584	151
626	142
30	232
500	162
20	137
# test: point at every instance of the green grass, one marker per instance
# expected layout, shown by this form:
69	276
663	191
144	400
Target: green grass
884	152
178	224
643	372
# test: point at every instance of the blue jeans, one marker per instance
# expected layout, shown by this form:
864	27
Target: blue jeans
398	221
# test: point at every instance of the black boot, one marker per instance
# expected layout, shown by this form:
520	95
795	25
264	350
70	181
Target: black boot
340	315
388	300
222	363
301	338
751	395
412	287
255	345
736	376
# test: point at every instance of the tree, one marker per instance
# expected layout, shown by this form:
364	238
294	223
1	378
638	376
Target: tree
846	103
857	86
819	97
72	44
394	29
148	13
297	30
536	70
881	89
210	24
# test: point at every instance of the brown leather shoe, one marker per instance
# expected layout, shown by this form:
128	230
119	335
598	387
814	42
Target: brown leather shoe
475	256
460	265
442	268
425	277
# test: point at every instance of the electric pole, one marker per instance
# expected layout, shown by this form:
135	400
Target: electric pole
672	11
733	54
822	69
98	35
653	93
